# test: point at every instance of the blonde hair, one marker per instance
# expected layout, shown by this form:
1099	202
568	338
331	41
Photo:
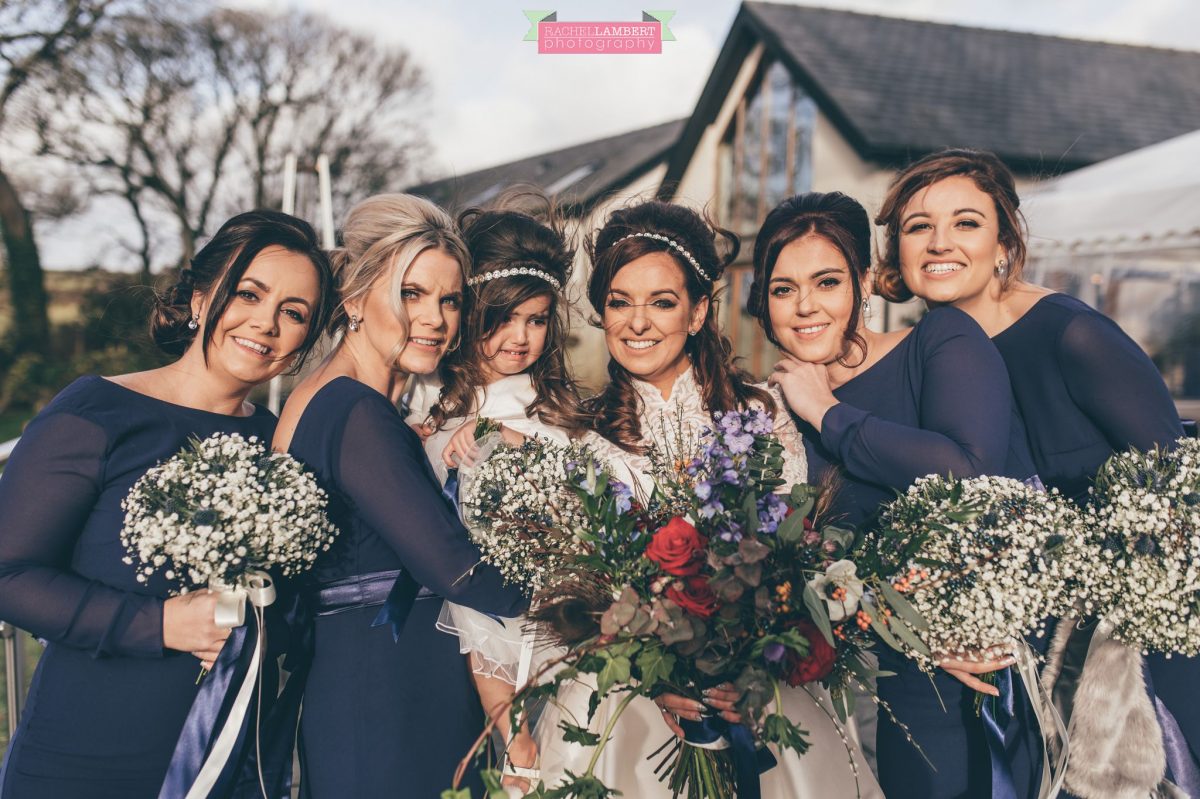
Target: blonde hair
388	232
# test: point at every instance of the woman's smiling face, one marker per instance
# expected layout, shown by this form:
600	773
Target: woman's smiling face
647	318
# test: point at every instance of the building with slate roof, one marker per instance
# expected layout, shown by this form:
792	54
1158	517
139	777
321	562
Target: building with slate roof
803	98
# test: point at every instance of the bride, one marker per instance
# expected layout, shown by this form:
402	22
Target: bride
654	269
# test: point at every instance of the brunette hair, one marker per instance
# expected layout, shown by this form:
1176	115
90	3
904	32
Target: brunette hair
506	238
723	385
387	232
218	269
838	219
990	176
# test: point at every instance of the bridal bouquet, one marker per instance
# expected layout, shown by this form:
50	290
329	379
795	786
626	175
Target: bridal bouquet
223	511
741	587
1141	569
984	561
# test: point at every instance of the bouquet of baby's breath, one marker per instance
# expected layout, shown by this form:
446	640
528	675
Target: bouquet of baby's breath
984	561
522	511
222	507
1141	569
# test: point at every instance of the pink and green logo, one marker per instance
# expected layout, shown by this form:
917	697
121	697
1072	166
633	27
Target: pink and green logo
607	38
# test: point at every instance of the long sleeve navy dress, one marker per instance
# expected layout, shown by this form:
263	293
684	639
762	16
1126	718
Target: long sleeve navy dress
1087	391
938	403
385	717
107	701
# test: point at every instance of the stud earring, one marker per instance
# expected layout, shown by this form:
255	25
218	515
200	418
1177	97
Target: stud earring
693	332
1001	268
354	324
194	322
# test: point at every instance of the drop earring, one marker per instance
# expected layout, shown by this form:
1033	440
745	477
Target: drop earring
1001	268
194	322
354	324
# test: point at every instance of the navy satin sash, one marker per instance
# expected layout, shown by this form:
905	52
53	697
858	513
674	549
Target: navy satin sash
278	731
748	760
997	714
210	708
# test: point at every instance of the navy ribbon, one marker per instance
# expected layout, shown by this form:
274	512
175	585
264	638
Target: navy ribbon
748	760
997	714
207	715
1183	769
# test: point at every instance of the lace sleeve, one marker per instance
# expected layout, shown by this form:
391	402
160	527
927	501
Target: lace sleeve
631	469
795	460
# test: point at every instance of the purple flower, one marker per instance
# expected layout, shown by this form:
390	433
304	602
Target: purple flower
731	476
774	652
710	509
703	490
740	443
623	496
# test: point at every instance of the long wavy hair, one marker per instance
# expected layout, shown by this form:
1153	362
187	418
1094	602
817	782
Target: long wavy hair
506	238
615	411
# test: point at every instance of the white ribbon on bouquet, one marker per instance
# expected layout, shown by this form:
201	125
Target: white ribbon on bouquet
257	588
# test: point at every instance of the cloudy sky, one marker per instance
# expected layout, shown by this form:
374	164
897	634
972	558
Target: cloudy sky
494	99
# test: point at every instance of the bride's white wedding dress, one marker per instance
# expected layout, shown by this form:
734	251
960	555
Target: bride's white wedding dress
825	772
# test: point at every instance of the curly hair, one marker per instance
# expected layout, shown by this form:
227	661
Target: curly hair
503	238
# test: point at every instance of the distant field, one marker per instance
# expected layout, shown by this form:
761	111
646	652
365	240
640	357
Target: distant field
66	290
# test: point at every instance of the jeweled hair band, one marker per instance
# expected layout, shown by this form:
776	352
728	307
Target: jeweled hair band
673	245
513	271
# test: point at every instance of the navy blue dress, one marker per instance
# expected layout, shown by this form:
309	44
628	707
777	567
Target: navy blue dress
107	701
938	403
1087	391
387	718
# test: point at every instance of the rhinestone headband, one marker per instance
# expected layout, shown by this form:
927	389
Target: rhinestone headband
513	271
673	245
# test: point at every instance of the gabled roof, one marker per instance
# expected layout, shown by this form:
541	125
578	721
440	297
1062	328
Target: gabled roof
900	88
575	176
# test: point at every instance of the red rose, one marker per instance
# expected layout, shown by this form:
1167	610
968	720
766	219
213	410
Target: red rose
677	548
817	664
695	597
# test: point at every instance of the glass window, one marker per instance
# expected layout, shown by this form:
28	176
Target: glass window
765	157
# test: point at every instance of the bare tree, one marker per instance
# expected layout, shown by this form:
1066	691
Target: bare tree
35	37
146	107
192	116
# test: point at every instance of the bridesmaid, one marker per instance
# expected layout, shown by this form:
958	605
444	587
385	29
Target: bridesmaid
387	713
654	285
118	676
883	409
954	237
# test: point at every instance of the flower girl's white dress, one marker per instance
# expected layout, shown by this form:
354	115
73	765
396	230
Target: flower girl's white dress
825	771
495	650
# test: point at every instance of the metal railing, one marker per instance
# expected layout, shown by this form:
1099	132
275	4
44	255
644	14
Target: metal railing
14	644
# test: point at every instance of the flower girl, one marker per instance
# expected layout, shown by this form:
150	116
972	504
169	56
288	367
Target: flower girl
511	372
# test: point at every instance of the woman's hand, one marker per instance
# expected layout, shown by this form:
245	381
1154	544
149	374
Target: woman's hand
965	670
805	388
424	431
189	626
722	698
462	451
